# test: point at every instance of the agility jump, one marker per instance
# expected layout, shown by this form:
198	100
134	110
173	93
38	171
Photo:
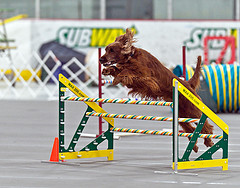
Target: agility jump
90	150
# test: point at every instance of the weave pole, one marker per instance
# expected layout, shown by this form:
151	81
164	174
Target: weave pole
164	133
137	117
118	101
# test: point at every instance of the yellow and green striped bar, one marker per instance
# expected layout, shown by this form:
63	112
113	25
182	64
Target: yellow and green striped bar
153	118
118	101
164	133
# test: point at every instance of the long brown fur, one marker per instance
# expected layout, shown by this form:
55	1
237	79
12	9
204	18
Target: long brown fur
146	77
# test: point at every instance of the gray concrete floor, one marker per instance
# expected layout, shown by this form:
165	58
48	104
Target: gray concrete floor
28	128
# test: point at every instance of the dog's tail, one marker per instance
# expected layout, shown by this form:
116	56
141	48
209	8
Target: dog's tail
195	80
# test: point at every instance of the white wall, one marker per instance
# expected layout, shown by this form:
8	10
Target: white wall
164	39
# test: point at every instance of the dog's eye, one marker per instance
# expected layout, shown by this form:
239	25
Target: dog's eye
111	50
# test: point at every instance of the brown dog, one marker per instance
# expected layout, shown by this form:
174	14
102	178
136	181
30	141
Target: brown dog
145	76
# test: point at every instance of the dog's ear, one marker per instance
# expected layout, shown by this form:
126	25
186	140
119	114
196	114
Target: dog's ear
129	34
127	42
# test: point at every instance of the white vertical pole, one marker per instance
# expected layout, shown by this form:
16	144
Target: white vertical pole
37	9
169	9
103	9
175	127
237	3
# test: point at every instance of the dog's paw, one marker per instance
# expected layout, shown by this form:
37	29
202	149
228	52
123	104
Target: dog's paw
116	81
195	148
112	71
105	72
108	71
208	142
126	80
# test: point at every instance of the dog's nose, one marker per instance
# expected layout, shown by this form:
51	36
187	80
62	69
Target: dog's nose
101	60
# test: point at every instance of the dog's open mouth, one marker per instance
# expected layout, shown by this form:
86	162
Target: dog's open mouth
107	64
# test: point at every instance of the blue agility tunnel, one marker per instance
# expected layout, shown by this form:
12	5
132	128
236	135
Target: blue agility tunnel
178	71
223	82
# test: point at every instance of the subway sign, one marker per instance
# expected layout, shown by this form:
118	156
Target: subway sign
197	36
82	37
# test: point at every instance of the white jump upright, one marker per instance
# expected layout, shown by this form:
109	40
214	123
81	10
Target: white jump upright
175	128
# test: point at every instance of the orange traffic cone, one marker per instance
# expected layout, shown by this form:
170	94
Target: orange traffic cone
55	151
